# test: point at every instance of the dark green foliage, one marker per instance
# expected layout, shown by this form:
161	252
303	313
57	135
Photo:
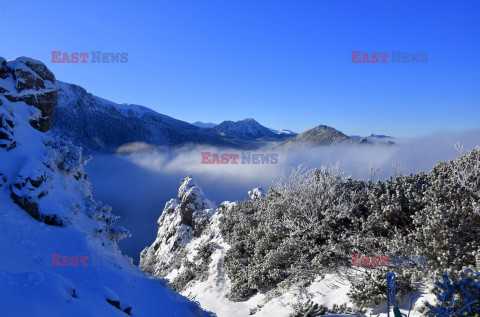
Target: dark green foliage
198	270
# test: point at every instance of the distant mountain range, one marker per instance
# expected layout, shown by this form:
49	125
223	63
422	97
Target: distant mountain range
242	127
99	125
204	124
375	138
250	129
284	131
323	135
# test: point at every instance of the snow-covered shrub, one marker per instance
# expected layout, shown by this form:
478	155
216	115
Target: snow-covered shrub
309	309
433	215
298	230
203	260
312	221
183	278
67	157
385	230
371	288
197	269
447	229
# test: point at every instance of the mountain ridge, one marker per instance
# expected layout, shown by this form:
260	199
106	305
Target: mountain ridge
249	128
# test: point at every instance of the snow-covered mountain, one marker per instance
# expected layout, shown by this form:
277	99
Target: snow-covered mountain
204	124
319	136
375	139
101	125
249	129
323	135
97	124
58	245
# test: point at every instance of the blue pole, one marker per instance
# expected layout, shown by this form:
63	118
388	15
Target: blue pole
391	284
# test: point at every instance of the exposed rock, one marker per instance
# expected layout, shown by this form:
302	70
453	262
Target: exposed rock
34	84
31	207
113	299
39	68
182	219
6	131
26	192
192	199
3	68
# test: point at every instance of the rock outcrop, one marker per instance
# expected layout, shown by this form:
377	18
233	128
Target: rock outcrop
28	80
38	170
182	219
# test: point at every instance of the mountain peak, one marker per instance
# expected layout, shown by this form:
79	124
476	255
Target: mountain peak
318	136
249	128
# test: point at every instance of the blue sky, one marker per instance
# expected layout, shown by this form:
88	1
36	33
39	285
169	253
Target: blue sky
285	63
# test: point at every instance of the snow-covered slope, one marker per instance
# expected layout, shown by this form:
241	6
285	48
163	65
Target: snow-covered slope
58	246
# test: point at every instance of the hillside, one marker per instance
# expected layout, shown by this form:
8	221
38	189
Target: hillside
101	125
59	246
